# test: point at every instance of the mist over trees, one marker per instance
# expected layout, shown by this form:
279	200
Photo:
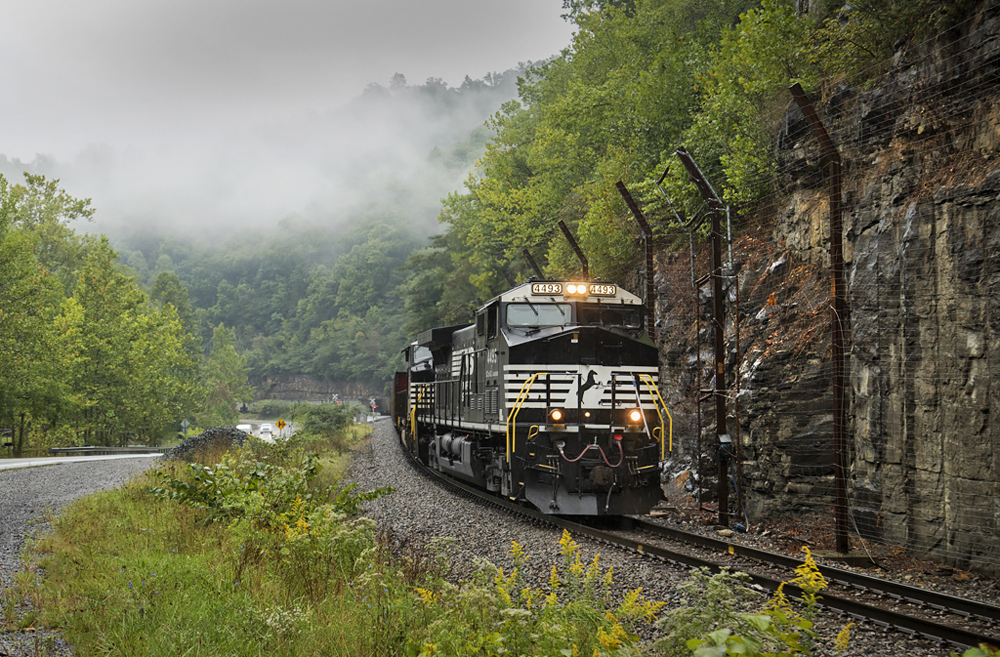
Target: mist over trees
396	145
319	293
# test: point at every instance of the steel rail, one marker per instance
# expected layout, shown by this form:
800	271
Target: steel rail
847	578
888	618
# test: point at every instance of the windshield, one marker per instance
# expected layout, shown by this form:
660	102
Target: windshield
538	314
601	315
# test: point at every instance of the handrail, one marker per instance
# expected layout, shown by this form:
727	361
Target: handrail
638	402
522	397
654	392
100	449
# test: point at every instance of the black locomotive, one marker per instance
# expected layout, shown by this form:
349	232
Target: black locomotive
550	397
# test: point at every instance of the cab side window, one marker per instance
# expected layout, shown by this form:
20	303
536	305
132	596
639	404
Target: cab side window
492	319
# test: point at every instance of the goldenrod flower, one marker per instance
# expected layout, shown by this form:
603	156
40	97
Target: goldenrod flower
844	637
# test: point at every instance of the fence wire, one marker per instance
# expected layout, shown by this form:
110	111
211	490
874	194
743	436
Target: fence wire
921	205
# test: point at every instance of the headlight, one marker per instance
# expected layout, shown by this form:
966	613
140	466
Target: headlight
556	415
576	289
635	415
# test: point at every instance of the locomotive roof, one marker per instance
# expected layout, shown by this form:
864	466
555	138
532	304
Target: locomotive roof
608	293
524	291
438	337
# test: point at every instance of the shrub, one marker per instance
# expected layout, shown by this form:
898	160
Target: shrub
274	513
271	408
327	419
240	486
722	623
711	601
328	423
982	651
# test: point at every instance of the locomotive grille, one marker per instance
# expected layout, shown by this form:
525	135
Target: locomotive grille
586	386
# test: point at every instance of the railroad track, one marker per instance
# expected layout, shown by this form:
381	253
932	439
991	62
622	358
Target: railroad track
961	622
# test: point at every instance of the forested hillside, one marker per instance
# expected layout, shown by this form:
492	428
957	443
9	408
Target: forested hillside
97	351
642	78
327	295
320	294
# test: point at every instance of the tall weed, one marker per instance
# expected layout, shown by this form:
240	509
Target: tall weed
497	614
720	617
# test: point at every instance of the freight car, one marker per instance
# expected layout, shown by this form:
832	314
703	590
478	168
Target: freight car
549	397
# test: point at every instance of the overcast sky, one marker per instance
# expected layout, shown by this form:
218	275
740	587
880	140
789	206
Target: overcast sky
74	72
211	110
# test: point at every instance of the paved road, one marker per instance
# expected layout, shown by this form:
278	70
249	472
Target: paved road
13	464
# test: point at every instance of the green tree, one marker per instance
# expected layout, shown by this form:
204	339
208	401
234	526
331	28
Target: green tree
39	206
168	289
32	359
857	37
225	381
134	376
605	110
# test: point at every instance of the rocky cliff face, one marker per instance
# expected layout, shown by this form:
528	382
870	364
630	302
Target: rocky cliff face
922	248
924	370
778	381
924	279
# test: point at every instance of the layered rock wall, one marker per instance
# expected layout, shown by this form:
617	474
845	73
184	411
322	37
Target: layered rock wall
922	249
924	371
922	244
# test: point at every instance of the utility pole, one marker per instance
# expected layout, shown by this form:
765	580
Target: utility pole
716	210
838	316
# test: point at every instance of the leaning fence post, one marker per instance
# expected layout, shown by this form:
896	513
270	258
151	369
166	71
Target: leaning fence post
837	318
647	236
576	248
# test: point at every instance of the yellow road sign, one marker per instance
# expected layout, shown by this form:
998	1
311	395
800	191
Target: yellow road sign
281	424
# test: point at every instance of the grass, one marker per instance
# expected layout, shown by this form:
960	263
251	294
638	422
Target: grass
128	574
130	577
261	553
